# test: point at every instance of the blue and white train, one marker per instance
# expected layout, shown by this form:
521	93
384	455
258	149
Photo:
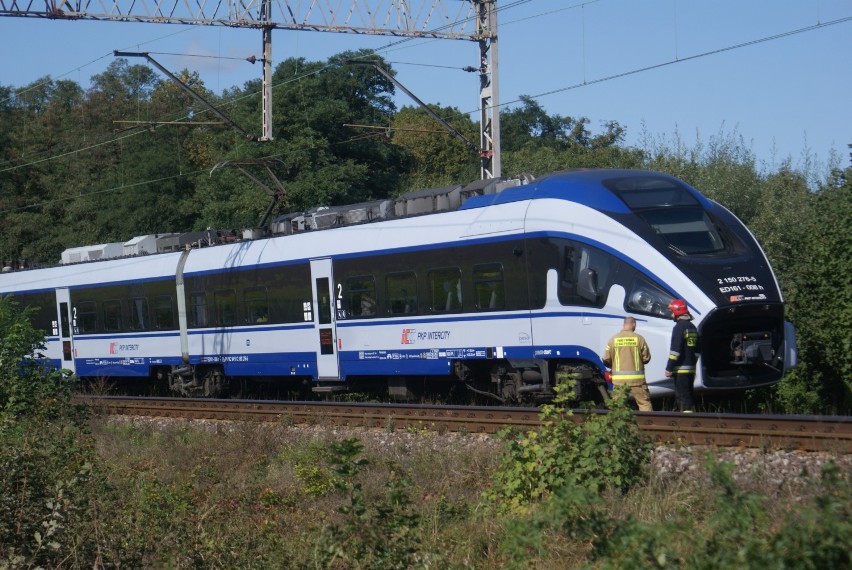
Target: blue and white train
494	286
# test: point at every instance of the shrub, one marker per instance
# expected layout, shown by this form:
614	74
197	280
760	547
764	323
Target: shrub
602	451
375	536
49	477
28	386
310	466
740	533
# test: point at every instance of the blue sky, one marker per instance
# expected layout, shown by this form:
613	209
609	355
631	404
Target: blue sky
786	97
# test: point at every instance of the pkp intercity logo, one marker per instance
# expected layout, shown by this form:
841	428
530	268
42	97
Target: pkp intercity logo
408	336
117	348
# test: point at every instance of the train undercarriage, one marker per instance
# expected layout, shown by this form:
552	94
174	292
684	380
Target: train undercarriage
500	382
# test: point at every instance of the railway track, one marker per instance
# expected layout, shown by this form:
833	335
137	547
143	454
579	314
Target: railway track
805	433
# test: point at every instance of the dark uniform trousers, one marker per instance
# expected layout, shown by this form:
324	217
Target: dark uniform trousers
683	357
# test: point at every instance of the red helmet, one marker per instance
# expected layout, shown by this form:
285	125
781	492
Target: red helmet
678	307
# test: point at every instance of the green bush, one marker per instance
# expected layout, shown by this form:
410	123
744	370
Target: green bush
740	532
46	482
28	386
740	529
50	482
375	536
603	451
310	466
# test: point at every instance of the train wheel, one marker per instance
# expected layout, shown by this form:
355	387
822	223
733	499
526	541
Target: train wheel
213	383
585	381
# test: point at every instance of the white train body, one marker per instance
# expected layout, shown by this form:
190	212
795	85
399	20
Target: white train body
498	294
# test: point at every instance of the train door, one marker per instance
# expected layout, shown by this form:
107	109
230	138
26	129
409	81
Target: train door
63	327
322	286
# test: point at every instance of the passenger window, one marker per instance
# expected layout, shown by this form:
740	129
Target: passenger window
198	309
138	314
361	296
402	293
164	314
225	305
112	315
256	305
445	290
489	288
87	317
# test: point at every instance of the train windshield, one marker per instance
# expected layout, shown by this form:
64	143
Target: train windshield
672	212
687	231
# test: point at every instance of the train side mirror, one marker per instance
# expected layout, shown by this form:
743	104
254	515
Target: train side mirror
587	285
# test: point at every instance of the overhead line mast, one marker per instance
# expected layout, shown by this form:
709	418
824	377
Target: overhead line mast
472	20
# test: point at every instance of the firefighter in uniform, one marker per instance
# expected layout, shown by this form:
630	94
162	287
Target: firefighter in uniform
626	354
683	355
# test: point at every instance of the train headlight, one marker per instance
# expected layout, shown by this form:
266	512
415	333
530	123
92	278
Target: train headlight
645	297
643	300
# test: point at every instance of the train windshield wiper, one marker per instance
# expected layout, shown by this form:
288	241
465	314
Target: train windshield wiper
677	250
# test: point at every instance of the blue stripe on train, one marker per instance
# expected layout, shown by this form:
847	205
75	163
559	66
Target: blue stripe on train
267	364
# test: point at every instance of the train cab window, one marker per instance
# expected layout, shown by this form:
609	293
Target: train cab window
197	310
672	211
360	296
489	287
138	314
256	305
445	290
164	313
112	315
225	307
402	293
685	230
584	275
86	317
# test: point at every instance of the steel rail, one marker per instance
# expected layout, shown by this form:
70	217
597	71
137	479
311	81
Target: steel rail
805	433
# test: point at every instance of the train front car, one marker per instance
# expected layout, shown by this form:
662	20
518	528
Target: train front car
656	238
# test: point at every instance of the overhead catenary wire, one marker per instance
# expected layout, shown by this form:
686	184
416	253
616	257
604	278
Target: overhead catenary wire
19	92
817	26
684	59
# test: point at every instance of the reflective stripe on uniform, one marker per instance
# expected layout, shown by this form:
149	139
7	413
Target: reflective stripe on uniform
627	376
626	342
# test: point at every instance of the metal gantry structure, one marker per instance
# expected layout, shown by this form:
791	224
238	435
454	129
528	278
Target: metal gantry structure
470	20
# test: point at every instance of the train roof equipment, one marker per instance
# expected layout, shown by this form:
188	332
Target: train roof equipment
585	188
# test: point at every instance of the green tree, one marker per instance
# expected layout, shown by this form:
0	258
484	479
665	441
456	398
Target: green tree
437	157
323	161
535	142
42	118
723	168
821	302
530	124
139	187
